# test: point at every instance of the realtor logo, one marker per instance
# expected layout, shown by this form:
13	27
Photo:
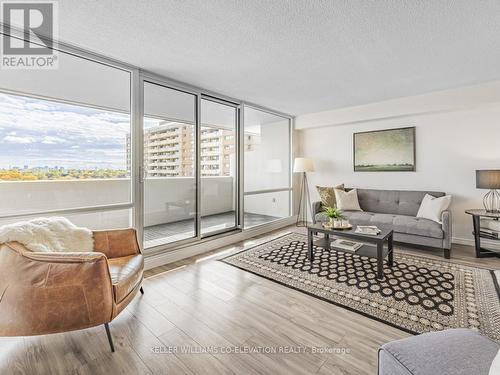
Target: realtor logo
29	29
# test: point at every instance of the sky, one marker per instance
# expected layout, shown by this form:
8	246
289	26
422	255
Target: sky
43	133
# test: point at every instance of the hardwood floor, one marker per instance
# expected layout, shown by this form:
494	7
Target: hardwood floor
201	303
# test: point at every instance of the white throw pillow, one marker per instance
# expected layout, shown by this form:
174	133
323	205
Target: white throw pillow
432	208
347	200
495	365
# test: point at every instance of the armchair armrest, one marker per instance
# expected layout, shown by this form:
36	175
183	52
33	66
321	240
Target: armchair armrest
44	293
116	243
446	226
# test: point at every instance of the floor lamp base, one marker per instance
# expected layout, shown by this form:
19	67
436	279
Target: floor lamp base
304	203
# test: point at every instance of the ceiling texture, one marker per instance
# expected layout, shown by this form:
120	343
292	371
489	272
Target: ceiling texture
297	56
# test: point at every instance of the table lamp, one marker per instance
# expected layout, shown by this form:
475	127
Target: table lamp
303	165
489	179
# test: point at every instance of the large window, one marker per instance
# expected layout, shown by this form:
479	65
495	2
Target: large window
65	142
267	185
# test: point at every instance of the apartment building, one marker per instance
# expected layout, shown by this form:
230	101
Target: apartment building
169	150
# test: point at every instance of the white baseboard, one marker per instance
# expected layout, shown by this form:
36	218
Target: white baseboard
174	255
470	242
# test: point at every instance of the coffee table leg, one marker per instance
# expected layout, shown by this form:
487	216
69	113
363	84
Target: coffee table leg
380	260
310	245
390	260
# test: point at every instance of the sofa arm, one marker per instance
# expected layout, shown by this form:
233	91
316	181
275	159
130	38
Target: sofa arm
446	226
45	293
450	352
316	207
116	243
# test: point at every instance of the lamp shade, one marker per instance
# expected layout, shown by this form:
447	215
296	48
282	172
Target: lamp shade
303	165
488	179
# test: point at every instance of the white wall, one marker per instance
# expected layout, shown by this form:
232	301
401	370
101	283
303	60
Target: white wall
450	146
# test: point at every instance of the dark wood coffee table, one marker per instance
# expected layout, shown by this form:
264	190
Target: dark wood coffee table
373	246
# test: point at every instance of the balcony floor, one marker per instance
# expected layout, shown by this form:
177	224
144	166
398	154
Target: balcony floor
165	233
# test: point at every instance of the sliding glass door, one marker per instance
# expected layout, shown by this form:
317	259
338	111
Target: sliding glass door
169	165
190	165
218	166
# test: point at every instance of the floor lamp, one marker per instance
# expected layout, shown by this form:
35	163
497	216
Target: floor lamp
303	165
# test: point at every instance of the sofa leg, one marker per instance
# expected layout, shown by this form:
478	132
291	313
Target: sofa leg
110	339
447	253
141	290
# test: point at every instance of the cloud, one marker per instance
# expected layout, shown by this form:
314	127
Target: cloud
41	132
18	140
50	140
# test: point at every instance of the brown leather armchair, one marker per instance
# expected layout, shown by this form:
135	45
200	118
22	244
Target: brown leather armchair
43	293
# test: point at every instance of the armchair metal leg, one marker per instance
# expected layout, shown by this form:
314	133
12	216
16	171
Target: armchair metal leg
141	290
110	339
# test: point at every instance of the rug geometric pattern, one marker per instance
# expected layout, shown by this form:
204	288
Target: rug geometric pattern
417	294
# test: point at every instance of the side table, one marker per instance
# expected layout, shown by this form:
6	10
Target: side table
482	252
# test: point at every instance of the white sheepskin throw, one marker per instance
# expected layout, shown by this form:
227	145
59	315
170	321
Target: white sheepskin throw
54	234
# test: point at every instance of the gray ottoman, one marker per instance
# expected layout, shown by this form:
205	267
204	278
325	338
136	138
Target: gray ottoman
450	352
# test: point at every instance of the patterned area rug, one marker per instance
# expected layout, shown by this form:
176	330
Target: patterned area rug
417	295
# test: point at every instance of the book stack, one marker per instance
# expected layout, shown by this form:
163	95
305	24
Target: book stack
346	245
367	229
490	227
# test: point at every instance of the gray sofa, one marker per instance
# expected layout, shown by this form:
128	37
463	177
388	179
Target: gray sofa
397	210
451	352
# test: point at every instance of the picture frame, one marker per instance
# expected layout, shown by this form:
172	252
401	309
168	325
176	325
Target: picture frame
386	150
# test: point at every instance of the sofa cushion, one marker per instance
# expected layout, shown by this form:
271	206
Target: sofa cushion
398	223
450	352
432	208
347	200
327	195
397	202
418	226
126	274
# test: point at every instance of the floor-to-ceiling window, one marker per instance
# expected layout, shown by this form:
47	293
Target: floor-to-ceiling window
267	184
64	143
74	143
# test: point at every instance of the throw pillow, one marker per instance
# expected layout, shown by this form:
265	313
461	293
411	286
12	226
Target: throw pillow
495	365
327	195
432	208
347	200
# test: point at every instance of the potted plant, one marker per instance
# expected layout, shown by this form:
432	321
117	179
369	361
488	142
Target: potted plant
334	214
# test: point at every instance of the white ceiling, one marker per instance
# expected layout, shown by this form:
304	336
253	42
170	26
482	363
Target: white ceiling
297	56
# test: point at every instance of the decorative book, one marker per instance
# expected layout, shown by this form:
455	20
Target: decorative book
367	229
346	245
